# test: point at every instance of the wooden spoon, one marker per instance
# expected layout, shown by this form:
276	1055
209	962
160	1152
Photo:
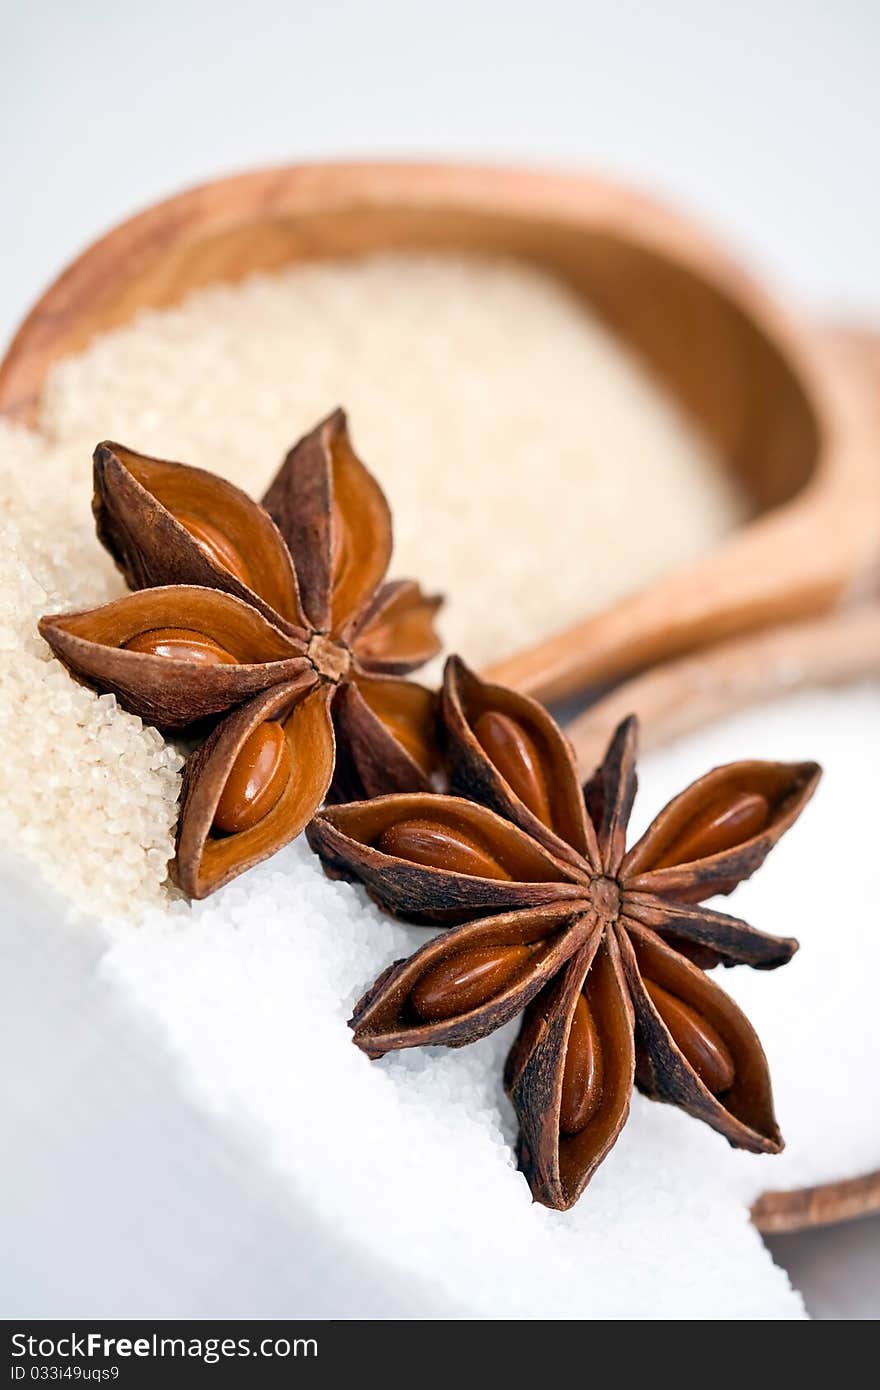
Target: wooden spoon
780	400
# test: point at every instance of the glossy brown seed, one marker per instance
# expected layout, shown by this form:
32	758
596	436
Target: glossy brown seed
723	824
256	779
181	644
701	1044
513	753
465	981
216	546
439	847
583	1074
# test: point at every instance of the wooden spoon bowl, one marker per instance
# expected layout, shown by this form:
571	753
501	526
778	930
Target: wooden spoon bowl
790	409
791	419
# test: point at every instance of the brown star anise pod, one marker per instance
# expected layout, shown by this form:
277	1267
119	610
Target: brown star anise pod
273	619
603	951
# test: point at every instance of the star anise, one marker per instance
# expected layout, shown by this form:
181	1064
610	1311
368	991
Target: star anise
273	620
603	951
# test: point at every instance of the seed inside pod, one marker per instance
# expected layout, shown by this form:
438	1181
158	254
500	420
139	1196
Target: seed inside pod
509	747
723	824
583	1075
181	644
439	847
256	779
465	981
216	546
702	1045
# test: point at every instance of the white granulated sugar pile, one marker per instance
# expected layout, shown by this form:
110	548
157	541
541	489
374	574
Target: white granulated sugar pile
411	1156
821	884
514	437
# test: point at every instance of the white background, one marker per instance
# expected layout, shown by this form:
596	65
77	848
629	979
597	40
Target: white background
762	118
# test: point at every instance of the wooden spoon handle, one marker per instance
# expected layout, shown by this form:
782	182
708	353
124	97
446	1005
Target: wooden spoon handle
775	1213
680	696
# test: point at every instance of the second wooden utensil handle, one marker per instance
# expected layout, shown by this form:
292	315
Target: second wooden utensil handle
680	696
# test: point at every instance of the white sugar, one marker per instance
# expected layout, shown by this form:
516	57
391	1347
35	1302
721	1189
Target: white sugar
411	1157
